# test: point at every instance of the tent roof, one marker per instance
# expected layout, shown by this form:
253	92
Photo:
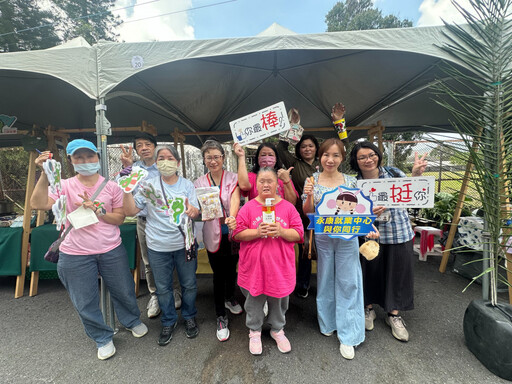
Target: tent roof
201	85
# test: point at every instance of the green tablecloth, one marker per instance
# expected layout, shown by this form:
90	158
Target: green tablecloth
10	251
43	236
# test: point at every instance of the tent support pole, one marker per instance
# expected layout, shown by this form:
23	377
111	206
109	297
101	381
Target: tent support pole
102	131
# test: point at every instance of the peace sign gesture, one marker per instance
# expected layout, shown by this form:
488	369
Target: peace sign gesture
419	164
86	202
126	156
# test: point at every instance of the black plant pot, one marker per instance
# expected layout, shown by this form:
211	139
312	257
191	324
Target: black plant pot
488	334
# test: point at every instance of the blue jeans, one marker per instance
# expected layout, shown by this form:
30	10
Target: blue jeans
162	265
79	274
339	296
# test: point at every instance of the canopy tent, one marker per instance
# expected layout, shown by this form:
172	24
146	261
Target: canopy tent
201	85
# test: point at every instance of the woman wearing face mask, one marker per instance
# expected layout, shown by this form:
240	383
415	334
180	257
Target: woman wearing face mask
168	198
267	157
216	234
95	249
304	163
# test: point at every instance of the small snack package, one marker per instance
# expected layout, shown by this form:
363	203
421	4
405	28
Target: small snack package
370	249
209	199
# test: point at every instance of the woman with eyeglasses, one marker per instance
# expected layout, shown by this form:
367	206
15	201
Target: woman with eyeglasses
388	279
216	234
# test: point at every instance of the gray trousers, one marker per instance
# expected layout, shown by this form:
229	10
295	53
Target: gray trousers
141	234
150	280
254	311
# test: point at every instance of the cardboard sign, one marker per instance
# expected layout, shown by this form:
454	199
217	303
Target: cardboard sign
401	192
343	213
264	123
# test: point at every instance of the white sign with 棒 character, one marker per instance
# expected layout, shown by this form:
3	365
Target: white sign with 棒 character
401	192
266	122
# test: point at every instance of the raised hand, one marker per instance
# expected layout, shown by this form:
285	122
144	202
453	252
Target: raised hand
190	210
239	150
284	174
42	158
294	116
309	186
419	164
337	112
86	202
126	156
377	210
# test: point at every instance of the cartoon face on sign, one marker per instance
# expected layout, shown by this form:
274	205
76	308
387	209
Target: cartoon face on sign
345	201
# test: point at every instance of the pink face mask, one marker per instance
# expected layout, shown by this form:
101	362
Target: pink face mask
267	161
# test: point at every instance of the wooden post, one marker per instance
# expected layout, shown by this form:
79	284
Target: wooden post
458	210
34	276
27	215
377	131
179	138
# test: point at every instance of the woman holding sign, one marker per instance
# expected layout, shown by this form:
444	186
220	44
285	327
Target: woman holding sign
389	279
171	202
216	232
340	284
93	249
266	156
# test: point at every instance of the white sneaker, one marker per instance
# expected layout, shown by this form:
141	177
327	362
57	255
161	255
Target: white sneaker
222	328
369	317
265	309
153	307
106	351
398	329
233	306
177	299
139	330
327	334
347	351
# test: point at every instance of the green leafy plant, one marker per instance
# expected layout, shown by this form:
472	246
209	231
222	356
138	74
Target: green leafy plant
444	208
479	96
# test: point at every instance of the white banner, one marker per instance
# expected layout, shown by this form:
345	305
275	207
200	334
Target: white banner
401	192
266	122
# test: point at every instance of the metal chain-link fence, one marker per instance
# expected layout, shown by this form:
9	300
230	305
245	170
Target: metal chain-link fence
443	164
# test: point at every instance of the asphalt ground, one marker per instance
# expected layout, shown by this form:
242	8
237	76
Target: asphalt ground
43	341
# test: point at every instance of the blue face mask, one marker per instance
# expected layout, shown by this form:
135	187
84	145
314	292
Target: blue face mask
87	169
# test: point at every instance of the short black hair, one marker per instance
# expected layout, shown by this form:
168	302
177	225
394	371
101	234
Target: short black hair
144	136
267	144
302	139
357	146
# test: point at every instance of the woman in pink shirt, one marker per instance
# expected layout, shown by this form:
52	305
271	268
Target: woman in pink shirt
94	249
266	268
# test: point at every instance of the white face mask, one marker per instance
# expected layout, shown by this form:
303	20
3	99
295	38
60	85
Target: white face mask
87	169
167	167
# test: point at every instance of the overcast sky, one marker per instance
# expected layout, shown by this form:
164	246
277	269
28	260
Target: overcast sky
149	20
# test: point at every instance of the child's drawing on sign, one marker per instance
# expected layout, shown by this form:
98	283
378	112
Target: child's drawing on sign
176	208
129	182
59	211
152	196
52	168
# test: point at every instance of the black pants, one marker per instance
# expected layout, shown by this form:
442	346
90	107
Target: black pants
223	264
388	279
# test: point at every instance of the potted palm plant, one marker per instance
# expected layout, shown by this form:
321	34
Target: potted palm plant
480	99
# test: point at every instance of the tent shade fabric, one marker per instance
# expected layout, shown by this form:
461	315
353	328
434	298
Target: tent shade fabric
202	85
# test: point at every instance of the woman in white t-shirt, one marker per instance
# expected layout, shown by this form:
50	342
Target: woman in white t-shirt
94	249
